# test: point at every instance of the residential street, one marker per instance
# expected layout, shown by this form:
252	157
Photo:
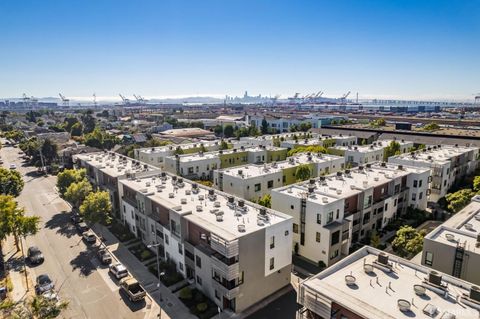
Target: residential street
72	265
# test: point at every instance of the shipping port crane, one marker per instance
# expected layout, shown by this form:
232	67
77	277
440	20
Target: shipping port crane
477	98
94	100
65	101
26	100
125	100
344	97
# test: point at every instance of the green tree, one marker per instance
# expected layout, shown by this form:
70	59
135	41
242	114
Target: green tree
88	122
13	221
67	177
303	172
391	149
264	127
476	184
44	308
305	126
218	130
178	151
430	127
458	200
223	145
97	208
265	200
100	139
49	151
11	182
69	122
228	131
408	241
78	191
77	129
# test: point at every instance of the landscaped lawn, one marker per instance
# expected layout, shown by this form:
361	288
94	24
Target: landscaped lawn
198	303
171	275
121	232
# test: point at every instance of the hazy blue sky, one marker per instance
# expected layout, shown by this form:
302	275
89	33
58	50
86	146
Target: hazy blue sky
393	48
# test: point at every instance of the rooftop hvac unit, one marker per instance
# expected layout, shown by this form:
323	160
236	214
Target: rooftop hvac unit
219	218
171	195
241	228
199	208
360	168
368	165
312	181
262	211
230	199
475	293
400	167
311	189
241	203
435	278
188	192
469	226
216	204
383	164
382	259
450	237
376	178
324	199
183	201
240	172
174	178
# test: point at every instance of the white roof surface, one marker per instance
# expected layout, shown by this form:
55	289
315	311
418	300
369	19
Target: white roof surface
371	296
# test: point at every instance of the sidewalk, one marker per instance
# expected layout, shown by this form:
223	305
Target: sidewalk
172	307
14	262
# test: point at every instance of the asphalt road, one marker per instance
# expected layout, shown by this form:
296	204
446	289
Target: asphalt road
72	265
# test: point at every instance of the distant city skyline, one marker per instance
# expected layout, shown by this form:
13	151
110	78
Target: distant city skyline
424	50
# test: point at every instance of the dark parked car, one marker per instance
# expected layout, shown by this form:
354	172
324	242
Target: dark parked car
76	218
34	255
43	284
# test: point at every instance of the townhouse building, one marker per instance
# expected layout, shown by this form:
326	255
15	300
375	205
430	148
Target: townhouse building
105	169
454	246
201	165
332	212
449	165
236	252
362	154
371	284
254	181
156	155
323	140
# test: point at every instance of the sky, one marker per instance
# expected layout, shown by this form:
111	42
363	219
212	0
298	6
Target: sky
156	48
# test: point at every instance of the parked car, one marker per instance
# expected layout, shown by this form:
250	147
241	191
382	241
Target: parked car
43	284
89	237
104	256
51	296
3	292
118	270
133	289
82	227
13	166
76	218
34	255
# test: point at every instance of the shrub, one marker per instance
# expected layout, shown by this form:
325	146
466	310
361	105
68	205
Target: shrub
202	307
185	293
145	254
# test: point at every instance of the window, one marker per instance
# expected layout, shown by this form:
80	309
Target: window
386	207
428	258
272	242
180	249
319	219
317	237
270	184
330	217
295	228
335	238
334	254
366	218
166	240
415	183
199	280
258	187
338	213
272	263
180	266
292	207
420	183
420	195
198	261
414	196
217	295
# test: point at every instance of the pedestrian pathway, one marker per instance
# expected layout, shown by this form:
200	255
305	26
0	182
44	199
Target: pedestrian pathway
16	271
171	306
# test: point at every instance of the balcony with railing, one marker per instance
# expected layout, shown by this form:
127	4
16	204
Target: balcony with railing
227	270
226	248
229	292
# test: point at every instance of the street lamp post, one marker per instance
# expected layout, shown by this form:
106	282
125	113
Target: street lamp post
160	274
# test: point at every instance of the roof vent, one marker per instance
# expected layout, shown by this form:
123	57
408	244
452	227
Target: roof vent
382	259
183	201
469	226
311	189
260	222
219	218
324	199
241	203
216	204
450	237
376	178
350	280
400	167
171	195
241	228
262	211
360	168
230	199
199	208
404	305
435	278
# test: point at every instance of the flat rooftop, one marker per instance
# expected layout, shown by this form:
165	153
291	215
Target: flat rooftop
461	229
376	146
255	170
375	295
435	154
333	187
114	164
172	147
203	209
198	156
